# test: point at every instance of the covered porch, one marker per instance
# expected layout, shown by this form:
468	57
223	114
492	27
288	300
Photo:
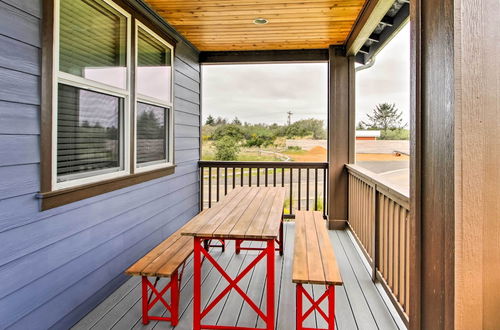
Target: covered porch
420	259
360	304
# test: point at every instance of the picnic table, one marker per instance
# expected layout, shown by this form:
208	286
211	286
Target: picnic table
244	214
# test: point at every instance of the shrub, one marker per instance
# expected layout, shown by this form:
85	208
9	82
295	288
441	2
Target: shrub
226	148
395	134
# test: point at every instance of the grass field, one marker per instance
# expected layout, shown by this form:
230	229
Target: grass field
316	154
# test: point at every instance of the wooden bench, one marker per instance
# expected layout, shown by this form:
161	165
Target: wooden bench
314	262
164	260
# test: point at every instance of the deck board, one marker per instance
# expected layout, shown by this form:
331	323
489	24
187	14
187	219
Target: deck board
359	304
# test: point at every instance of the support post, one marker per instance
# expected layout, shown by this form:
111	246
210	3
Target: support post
455	123
341	131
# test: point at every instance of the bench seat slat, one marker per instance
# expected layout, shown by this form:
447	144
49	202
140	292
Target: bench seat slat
330	266
314	259
167	257
141	264
300	272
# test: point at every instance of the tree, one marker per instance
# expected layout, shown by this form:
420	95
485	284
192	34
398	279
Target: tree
230	130
236	121
226	148
220	121
210	121
385	116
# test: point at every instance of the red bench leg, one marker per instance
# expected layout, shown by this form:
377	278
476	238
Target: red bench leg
151	295
331	307
298	298
174	294
145	319
329	317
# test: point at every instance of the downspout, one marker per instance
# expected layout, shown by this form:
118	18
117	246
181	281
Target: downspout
368	65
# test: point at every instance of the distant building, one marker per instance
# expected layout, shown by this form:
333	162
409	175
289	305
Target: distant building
367	135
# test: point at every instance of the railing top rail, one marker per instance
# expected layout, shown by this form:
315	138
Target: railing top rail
374	179
262	164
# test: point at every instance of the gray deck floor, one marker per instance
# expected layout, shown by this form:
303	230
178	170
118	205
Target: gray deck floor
359	303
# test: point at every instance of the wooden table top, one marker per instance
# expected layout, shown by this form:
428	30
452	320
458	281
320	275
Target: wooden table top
244	213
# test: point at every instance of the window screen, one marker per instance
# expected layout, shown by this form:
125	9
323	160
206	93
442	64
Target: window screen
151	134
154	67
93	41
88	133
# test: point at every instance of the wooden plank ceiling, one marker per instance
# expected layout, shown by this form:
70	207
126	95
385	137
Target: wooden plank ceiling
228	25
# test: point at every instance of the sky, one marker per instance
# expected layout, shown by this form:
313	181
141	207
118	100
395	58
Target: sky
264	93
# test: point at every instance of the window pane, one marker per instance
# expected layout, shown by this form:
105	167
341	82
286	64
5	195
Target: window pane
154	68
93	41
151	134
88	133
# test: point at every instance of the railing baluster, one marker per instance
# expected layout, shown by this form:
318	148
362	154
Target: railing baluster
209	187
225	181
274	177
315	189
325	202
234	177
218	183
291	190
299	183
202	187
267	174
258	176
283	177
242	171
307	189
250	177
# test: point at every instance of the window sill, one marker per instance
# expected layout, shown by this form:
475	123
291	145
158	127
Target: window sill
61	197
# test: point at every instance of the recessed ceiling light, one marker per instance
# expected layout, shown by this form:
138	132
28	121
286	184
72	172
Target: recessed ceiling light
260	21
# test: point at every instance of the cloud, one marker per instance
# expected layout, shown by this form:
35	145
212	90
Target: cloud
264	93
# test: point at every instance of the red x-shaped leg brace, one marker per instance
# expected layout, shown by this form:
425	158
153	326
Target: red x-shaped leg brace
199	314
301	317
173	307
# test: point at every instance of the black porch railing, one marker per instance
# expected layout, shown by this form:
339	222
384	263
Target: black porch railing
305	182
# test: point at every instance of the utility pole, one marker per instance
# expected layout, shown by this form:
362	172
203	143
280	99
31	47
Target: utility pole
289	117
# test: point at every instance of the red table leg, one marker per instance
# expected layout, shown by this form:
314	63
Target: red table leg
270	285
199	314
197	284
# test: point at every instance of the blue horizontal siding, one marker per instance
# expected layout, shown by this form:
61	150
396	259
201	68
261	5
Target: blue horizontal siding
28	6
19	118
19	149
19	24
19	180
19	56
57	265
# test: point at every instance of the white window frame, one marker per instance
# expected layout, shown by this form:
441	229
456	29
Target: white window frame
87	84
156	102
